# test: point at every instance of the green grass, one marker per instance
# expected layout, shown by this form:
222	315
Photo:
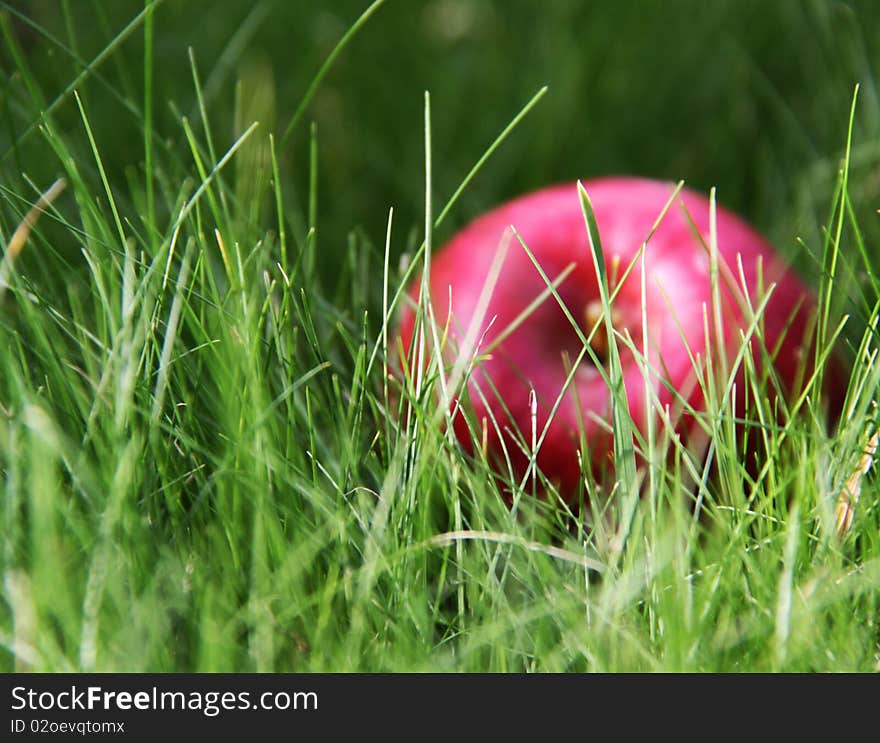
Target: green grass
211	459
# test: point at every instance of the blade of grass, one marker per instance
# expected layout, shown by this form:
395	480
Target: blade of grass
77	81
328	63
624	452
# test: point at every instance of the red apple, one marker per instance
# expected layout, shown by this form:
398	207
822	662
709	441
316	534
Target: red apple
527	368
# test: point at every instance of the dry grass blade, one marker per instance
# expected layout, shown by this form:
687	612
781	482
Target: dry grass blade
23	231
849	497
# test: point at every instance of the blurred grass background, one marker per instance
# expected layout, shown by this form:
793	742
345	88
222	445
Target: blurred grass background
748	96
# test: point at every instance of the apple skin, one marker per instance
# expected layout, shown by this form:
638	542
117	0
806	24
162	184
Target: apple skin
677	295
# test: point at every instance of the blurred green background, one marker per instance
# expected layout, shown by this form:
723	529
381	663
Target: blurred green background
748	96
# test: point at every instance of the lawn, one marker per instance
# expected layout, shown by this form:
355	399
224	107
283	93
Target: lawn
211	458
